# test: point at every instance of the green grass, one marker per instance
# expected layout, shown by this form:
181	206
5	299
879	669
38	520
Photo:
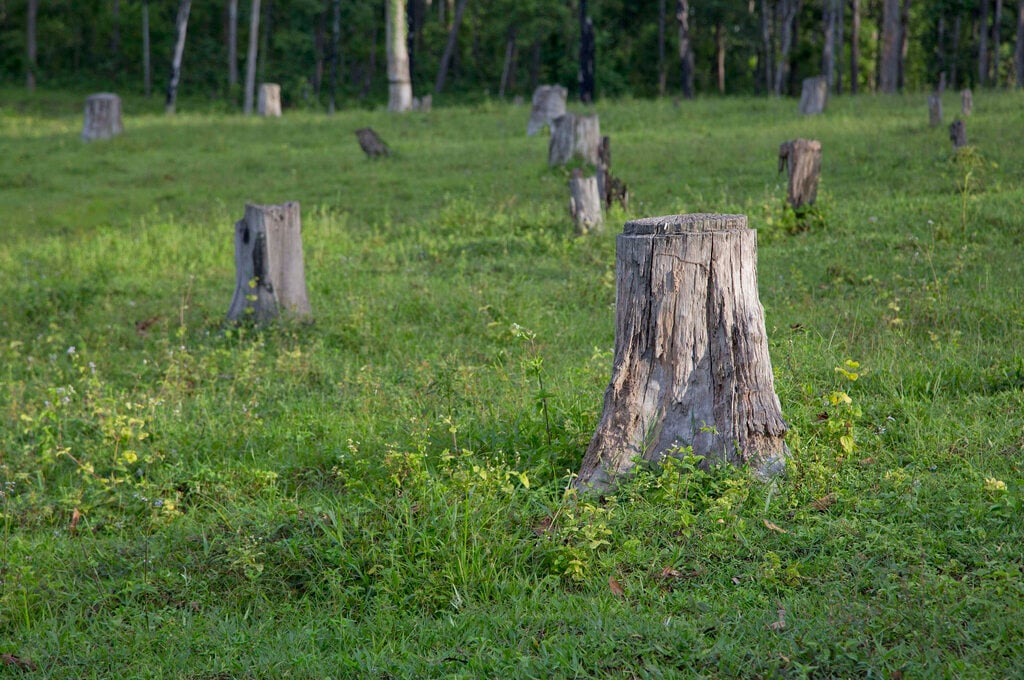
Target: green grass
379	494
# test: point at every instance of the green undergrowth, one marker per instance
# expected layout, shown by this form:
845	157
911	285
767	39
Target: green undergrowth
382	493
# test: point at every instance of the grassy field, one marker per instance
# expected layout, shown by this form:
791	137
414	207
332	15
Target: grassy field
381	494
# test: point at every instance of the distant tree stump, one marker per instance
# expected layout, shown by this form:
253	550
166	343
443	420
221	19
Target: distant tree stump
585	203
424	105
102	117
574	136
966	102
270	100
958	134
814	95
611	188
371	143
548	104
935	110
802	158
270	277
691	366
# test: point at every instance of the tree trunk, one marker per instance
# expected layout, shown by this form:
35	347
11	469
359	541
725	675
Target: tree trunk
720	56
320	50
904	44
585	203
232	44
997	20
935	110
983	44
147	71
449	48
958	134
269	100
802	159
251	56
956	51
966	102
102	117
588	49
31	17
888	69
548	104
813	96
1018	52
335	54
265	36
686	65
855	47
181	29
789	10
691	372
828	49
767	45
840	10
662	65
507	67
270	278
115	38
574	136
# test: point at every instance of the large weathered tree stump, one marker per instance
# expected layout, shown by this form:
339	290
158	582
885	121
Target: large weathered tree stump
548	104
270	276
935	109
966	102
371	143
802	157
574	136
958	134
814	95
269	100
102	117
691	366
585	203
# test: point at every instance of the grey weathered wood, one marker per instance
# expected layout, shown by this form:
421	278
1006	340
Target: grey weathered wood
548	104
102	117
574	136
966	102
587	137
269	103
935	110
371	143
585	203
270	277
802	158
958	134
691	365
814	95
425	104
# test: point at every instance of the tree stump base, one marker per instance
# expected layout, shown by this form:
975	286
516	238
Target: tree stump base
270	277
548	104
958	134
269	104
814	95
935	110
585	203
371	143
574	136
102	117
802	158
966	102
691	371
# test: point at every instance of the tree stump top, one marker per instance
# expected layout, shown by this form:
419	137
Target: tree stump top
683	224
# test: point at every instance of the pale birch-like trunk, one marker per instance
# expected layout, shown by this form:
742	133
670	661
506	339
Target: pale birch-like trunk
181	30
251	57
399	82
686	59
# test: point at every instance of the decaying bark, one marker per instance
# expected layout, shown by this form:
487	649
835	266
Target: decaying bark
814	95
958	134
371	143
585	203
691	366
102	117
802	158
269	100
270	275
574	136
611	188
935	110
966	102
548	104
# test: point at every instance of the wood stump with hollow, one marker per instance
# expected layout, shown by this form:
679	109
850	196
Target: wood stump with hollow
102	117
269	103
548	104
814	95
935	110
270	276
574	136
958	134
966	102
585	203
802	158
371	143
691	366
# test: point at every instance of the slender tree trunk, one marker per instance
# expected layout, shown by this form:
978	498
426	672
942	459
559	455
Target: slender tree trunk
232	44
720	56
147	71
956	52
510	57
983	44
789	10
855	47
888	69
335	54
662	65
828	49
449	48
399	84
181	29
767	45
250	57
320	49
904	43
685	49
588	49
997	21
1018	53
31	16
264	55
115	38
840	9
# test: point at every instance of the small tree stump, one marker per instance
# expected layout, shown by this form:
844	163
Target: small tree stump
574	136
548	104
935	110
802	157
966	102
611	188
269	100
425	104
814	95
958	134
102	117
270	277
587	137
691	366
371	143
585	203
